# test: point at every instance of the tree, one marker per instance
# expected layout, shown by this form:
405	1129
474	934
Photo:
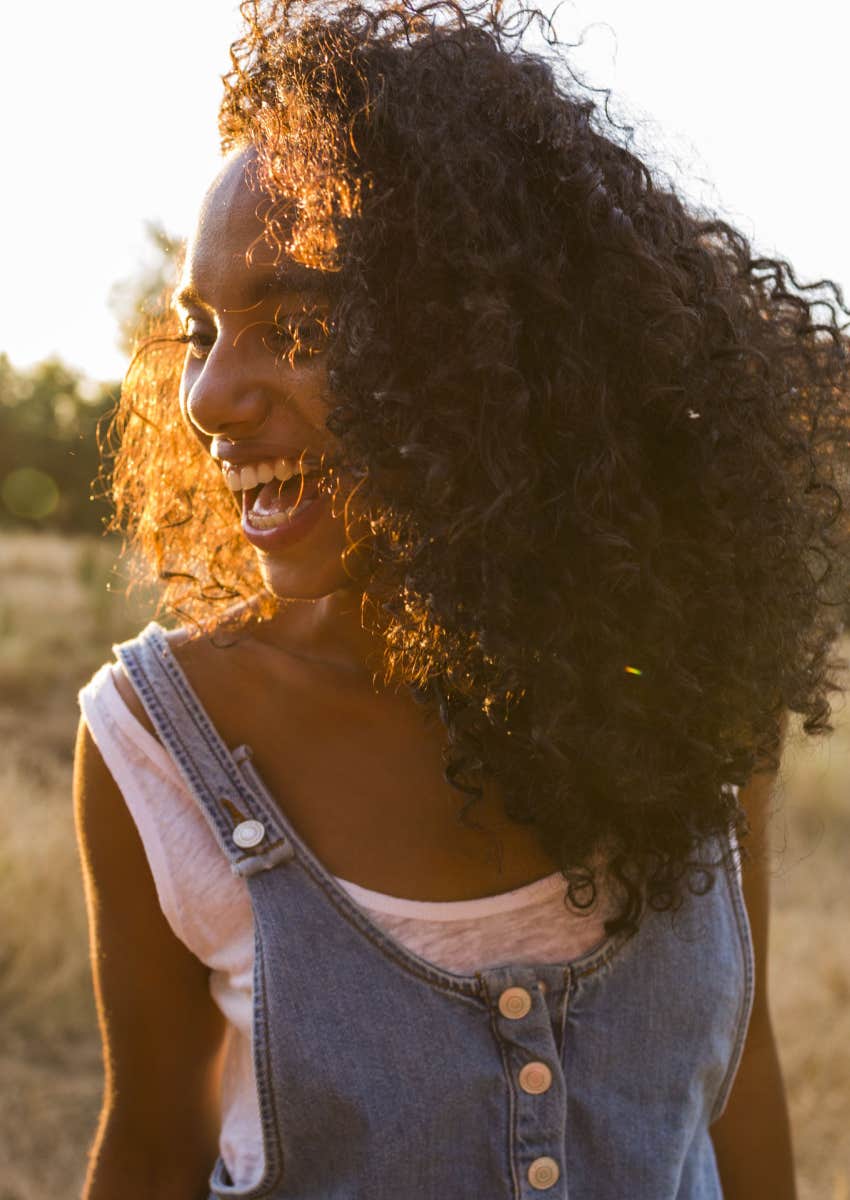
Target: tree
144	294
49	414
48	446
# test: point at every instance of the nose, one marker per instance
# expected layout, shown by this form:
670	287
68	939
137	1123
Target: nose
226	395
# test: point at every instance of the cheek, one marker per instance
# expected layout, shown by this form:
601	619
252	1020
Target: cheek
309	381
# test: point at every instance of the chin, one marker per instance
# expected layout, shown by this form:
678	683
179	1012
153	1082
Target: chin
287	583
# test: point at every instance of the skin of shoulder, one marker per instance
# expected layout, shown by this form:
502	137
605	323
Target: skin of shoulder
162	1034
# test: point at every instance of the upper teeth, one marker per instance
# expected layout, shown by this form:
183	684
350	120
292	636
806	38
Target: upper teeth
241	479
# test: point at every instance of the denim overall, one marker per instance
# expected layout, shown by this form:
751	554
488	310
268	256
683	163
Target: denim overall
381	1076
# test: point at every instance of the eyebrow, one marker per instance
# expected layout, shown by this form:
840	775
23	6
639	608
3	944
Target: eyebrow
288	279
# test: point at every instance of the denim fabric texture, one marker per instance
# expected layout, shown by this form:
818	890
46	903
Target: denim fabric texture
382	1076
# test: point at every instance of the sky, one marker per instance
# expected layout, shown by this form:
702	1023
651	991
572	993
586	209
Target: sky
110	121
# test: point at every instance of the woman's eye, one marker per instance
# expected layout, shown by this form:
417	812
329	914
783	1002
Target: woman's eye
198	340
302	338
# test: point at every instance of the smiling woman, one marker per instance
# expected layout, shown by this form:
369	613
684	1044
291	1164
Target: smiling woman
534	463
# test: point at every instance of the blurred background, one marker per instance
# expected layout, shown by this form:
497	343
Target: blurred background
109	143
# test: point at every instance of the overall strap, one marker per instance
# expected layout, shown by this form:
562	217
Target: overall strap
239	810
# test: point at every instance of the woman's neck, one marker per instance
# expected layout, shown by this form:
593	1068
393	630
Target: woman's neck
326	632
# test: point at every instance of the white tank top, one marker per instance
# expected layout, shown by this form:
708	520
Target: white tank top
210	911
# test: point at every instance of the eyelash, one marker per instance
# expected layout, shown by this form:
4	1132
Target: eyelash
191	340
198	341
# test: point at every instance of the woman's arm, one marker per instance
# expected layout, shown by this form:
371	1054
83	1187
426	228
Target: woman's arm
752	1139
161	1032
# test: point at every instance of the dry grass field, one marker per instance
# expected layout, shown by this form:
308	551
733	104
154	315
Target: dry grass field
57	623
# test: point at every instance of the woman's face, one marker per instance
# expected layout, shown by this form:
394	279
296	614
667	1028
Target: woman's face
249	399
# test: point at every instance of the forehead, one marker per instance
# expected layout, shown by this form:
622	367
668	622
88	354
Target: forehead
230	241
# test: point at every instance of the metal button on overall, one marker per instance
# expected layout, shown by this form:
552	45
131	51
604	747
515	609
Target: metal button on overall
514	1003
542	1173
535	1078
248	834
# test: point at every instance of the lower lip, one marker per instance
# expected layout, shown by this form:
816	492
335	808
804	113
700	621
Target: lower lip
282	536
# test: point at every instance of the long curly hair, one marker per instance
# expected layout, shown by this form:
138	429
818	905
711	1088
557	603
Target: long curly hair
600	441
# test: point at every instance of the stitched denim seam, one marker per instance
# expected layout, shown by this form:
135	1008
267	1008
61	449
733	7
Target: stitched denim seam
240	779
566	984
269	1116
512	1106
600	957
225	763
264	803
568	980
465	987
181	685
269	1123
735	894
174	742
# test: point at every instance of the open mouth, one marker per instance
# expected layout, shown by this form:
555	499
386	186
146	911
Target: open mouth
270	504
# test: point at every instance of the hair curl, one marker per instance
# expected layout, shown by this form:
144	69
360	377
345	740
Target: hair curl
597	436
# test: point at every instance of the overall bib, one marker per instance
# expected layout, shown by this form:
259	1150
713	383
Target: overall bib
381	1076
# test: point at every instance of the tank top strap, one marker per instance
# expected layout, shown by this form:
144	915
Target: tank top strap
228	791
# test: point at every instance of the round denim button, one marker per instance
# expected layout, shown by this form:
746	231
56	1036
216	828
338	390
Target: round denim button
514	1003
542	1173
534	1078
248	834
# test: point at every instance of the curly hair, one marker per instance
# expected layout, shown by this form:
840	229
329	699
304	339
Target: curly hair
599	439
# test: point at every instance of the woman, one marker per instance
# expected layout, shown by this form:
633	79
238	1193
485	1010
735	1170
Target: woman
411	851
